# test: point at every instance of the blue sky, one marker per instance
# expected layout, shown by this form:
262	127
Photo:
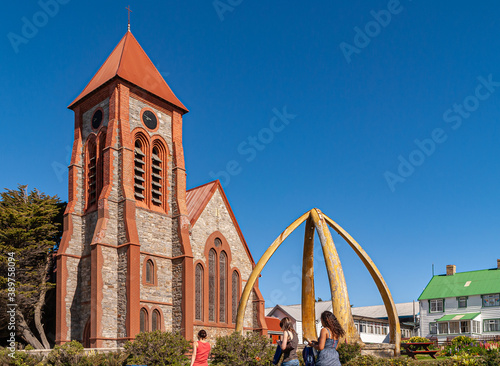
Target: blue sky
390	126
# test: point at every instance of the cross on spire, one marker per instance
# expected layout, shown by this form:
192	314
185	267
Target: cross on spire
129	11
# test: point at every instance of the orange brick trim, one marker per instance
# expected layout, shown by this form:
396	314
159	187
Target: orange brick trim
157	302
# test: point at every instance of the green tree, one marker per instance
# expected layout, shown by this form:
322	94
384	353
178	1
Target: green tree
30	228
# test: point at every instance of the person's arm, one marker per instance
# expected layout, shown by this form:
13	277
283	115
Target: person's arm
193	357
284	341
321	341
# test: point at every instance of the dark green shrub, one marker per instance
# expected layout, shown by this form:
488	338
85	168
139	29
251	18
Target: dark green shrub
365	360
19	359
104	359
238	350
158	348
69	354
492	358
348	351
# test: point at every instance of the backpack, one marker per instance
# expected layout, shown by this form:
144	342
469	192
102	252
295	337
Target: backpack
308	355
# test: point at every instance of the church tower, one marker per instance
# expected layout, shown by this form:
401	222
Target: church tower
139	252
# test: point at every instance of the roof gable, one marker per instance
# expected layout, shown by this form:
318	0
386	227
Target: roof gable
129	62
197	199
481	282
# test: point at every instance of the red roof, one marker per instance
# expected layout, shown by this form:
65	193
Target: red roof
129	61
198	198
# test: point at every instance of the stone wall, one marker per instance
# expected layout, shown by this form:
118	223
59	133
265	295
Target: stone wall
177	294
109	303
87	119
216	217
155	232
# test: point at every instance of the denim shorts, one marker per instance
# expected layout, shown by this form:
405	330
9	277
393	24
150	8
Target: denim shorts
291	363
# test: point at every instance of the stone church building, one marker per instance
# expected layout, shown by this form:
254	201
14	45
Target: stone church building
139	252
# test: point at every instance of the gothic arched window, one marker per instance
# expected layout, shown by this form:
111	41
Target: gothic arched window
235	294
222	287
158	167
140	151
198	284
100	164
91	171
150	272
144	320
212	272
155	320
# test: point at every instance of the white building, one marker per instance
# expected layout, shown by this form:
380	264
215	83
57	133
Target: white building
371	321
465	303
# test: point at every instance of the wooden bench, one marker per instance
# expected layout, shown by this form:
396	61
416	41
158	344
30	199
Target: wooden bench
418	348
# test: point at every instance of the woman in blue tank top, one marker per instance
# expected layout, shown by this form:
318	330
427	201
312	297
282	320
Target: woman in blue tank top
328	340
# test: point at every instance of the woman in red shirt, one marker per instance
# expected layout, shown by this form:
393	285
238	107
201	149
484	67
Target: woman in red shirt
201	350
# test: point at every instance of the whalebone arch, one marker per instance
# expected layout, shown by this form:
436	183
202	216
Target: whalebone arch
318	221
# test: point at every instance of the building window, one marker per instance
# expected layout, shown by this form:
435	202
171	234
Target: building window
464	327
476	326
150	272
157	167
433	328
212	260
491	300
491	325
100	164
454	327
199	292
362	327
462	302
235	295
139	170
436	306
144	320
443	328
222	287
217	242
91	172
155	320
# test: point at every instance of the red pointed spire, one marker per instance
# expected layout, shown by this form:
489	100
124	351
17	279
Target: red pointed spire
129	61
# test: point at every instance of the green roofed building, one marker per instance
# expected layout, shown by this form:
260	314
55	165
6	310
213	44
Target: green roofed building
464	303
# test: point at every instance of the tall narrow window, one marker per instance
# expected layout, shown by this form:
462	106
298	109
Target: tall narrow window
100	164
139	171
212	260
144	320
235	284
156	176
222	287
198	292
150	272
91	173
155	320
